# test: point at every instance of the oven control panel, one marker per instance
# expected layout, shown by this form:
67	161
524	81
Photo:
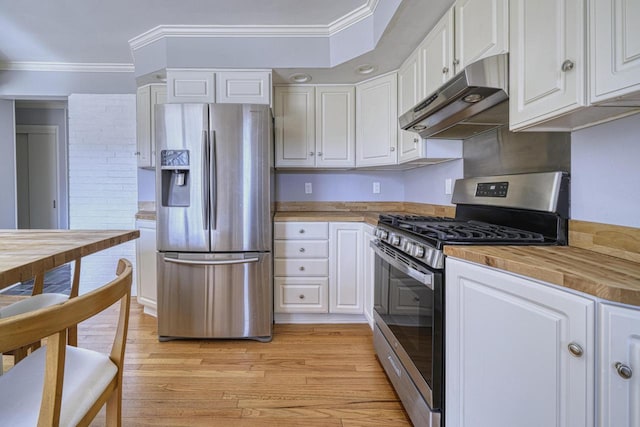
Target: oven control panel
492	189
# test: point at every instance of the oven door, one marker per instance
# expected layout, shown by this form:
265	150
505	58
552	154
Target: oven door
408	305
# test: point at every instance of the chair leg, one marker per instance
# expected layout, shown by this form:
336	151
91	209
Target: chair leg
114	408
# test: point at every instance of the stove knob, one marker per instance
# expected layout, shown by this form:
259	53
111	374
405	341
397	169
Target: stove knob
408	247
418	251
395	240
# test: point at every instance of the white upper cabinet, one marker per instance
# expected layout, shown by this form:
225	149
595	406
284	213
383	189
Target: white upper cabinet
436	56
221	86
335	138
619	366
482	29
615	51
408	97
243	87
314	126
547	60
377	118
147	97
294	111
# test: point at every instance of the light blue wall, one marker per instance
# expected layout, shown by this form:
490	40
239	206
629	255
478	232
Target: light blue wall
7	165
605	173
427	184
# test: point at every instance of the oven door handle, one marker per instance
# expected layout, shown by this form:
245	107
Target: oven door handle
424	278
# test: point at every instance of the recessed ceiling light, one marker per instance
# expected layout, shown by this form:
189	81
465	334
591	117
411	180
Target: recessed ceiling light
300	78
366	69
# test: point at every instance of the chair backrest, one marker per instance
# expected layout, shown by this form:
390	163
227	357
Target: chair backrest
52	323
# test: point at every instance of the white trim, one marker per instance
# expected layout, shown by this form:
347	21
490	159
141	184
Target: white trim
162	31
79	67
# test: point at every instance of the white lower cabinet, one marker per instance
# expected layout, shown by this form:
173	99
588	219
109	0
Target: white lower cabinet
519	352
146	266
318	268
619	367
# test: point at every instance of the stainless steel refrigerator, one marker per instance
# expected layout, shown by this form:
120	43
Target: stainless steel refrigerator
214	182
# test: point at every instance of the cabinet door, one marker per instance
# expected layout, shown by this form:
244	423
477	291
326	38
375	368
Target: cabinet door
619	394
143	126
294	126
243	87
615	48
408	97
335	126
146	266
345	273
377	118
508	358
436	56
547	60
368	263
482	29
190	86
158	96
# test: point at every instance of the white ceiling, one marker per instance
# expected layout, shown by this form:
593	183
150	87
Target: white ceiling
98	31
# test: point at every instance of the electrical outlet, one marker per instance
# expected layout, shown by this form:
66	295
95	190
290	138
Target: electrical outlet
308	189
448	186
376	188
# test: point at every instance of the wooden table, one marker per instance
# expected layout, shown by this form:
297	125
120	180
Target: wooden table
28	254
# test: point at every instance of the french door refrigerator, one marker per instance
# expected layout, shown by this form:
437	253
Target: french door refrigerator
214	180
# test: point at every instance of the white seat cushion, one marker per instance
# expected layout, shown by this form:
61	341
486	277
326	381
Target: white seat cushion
86	375
32	303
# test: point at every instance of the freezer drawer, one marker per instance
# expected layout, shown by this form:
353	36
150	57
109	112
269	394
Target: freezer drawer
215	296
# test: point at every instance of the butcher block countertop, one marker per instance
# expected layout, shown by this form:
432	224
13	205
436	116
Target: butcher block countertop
24	253
593	273
368	217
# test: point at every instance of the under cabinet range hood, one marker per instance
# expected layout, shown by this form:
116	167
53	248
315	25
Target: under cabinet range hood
472	102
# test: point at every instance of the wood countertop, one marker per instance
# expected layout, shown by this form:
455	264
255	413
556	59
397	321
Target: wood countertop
596	274
370	218
25	253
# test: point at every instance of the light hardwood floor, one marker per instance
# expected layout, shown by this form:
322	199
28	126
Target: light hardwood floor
309	375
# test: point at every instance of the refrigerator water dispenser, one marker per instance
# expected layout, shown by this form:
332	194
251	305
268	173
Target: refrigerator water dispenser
176	181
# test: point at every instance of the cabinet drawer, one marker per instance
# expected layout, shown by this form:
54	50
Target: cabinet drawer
301	267
302	295
301	249
301	230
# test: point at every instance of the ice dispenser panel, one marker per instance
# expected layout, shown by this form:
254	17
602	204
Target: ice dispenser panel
176	179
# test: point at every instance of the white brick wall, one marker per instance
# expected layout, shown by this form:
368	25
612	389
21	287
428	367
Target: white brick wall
102	176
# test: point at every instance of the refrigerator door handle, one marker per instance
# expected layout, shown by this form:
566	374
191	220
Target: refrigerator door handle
205	180
213	184
222	262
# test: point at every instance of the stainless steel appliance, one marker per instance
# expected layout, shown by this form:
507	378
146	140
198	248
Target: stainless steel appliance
409	278
214	221
472	102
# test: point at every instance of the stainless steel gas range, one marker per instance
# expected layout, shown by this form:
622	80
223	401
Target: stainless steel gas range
409	306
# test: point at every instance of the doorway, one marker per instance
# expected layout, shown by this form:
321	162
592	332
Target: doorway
38	186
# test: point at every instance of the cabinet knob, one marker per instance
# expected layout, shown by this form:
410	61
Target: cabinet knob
319	153
137	153
415	140
301	231
392	149
445	70
575	349
567	65
416	299
301	268
301	296
456	62
623	370
301	249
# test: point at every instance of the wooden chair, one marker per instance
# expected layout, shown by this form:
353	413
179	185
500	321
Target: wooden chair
68	384
39	300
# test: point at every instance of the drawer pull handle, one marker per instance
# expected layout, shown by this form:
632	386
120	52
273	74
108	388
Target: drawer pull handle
301	296
301	249
575	349
394	366
301	231
416	299
623	370
301	268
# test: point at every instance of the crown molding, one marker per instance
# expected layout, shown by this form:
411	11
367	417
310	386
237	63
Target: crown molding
162	31
79	67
